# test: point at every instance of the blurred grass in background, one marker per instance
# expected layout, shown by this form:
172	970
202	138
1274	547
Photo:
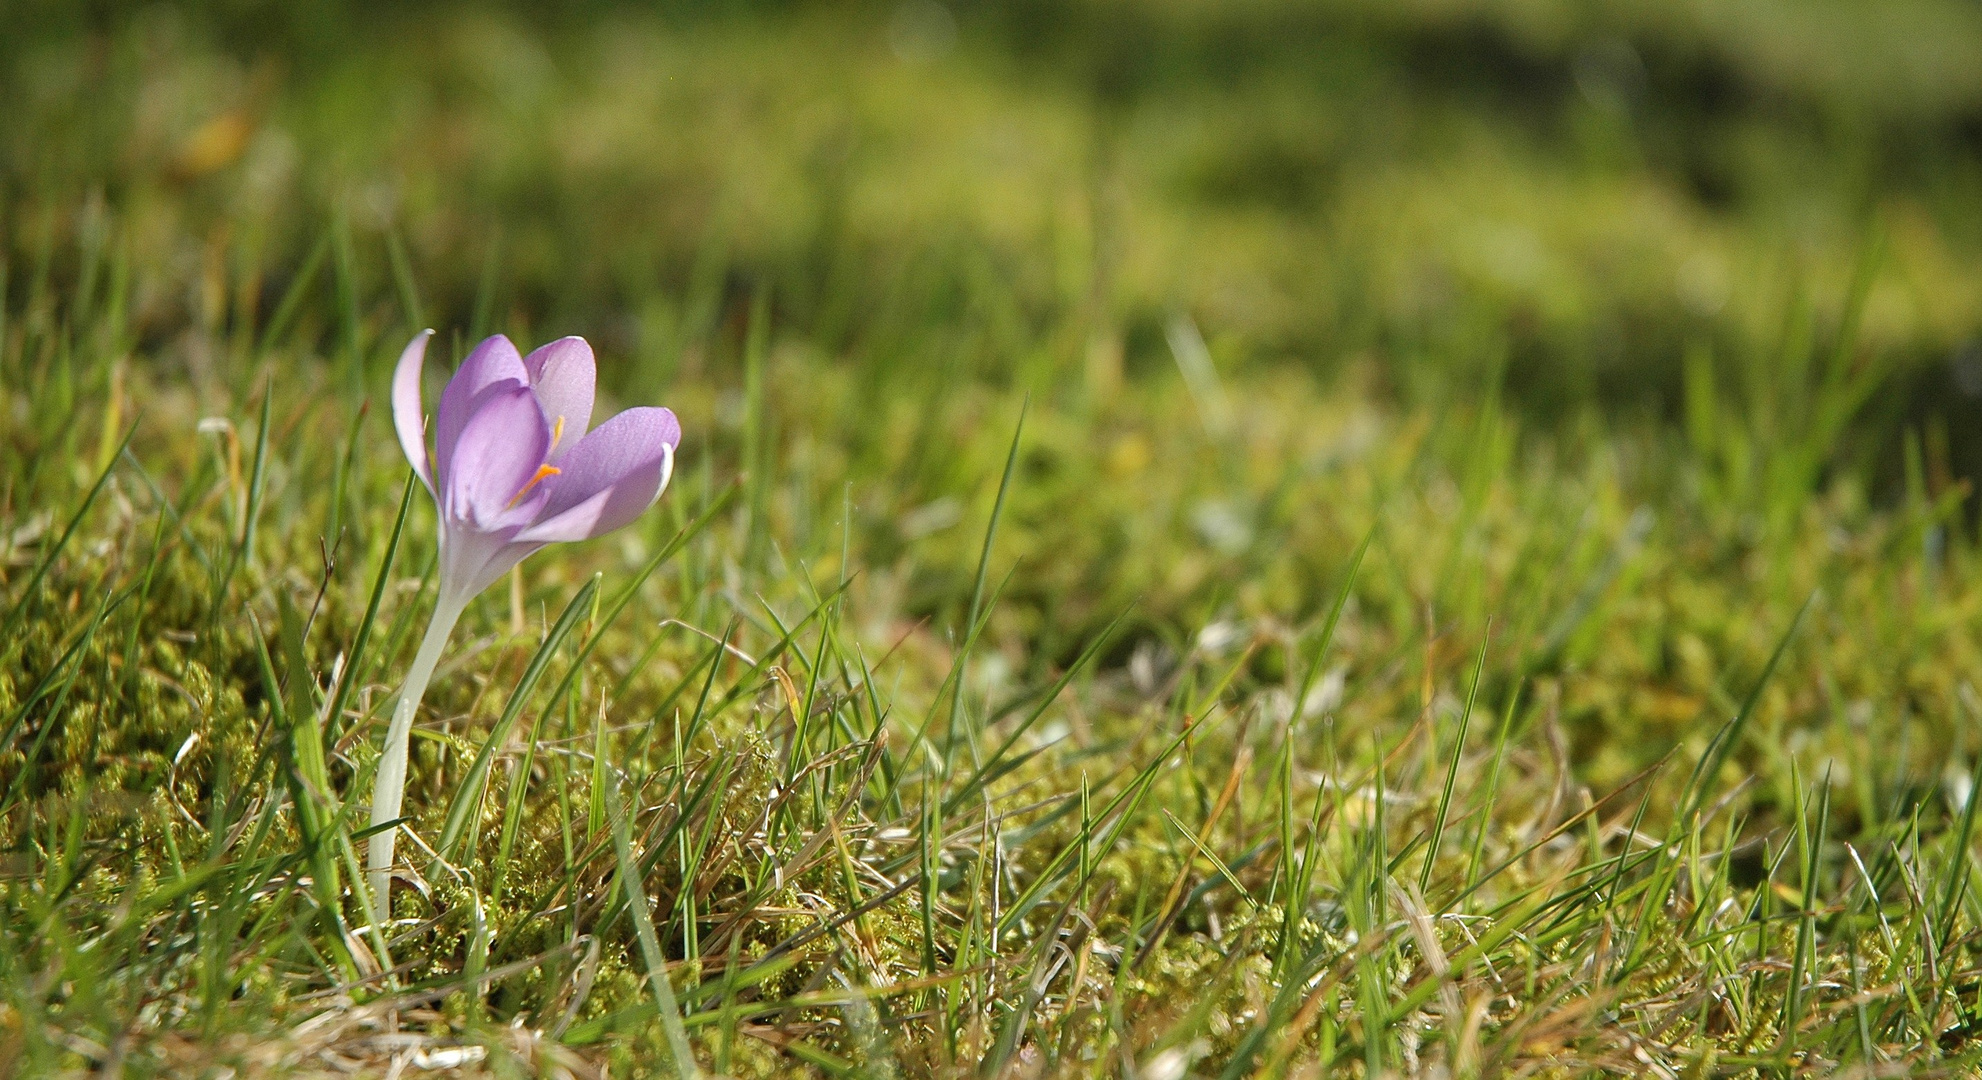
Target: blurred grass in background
1032	190
1604	218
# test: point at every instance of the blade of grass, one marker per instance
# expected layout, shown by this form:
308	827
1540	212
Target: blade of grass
312	795
1694	794
340	478
756	430
402	276
962	668
11	622
72	668
292	297
1959	859
682	1058
251	514
1212	857
1500	742
519	780
468	793
1452	770
978	775
1810	844
361	641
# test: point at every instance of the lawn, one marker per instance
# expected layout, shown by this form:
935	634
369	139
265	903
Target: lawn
1263	538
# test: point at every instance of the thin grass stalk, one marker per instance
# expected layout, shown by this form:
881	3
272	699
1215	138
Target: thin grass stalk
1452	769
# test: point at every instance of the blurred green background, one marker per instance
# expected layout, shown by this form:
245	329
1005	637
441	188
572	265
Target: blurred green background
1416	192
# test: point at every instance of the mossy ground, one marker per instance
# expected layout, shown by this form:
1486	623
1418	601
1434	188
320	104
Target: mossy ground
1180	566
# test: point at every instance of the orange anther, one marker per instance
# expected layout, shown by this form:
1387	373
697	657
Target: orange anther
542	472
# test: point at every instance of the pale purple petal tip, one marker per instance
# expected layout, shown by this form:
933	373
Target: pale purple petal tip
407	415
611	477
496	456
562	373
493	362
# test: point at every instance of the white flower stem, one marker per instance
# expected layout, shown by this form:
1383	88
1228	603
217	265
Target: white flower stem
390	787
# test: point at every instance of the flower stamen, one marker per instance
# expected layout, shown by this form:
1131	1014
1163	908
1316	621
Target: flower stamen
557	436
542	472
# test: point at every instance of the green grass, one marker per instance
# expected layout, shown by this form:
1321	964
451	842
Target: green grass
1116	613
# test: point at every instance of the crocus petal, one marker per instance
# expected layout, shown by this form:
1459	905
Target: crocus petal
498	453
562	374
613	475
407	417
493	362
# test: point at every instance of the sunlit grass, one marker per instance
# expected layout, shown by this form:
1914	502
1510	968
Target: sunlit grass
1343	736
1103	622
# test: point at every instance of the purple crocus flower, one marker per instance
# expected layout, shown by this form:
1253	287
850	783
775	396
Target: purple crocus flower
513	468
